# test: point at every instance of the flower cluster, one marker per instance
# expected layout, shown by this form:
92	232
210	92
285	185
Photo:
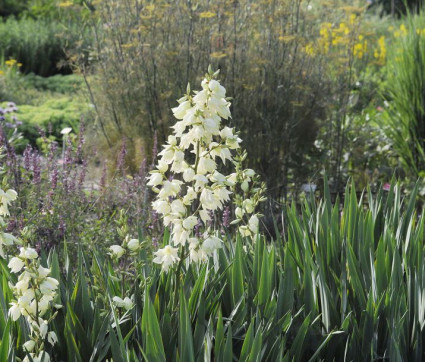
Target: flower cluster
35	293
6	239
126	262
195	189
345	39
35	290
129	247
125	303
8	115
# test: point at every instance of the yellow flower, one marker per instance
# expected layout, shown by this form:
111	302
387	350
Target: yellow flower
65	4
309	49
10	62
360	48
128	45
207	15
381	52
218	55
287	38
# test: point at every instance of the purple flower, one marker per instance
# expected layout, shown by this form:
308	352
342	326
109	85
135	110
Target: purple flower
226	217
82	177
102	182
62	227
27	158
36	168
54	177
121	157
197	229
81	141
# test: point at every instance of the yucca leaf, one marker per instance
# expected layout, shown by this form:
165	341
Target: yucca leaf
186	351
297	346
5	343
152	339
248	341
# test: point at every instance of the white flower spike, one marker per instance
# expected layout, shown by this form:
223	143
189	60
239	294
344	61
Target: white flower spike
196	189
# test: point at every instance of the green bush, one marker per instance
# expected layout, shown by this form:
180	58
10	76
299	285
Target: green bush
52	115
57	83
404	90
13	7
38	44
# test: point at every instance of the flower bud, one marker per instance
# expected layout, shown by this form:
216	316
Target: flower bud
253	224
133	244
248	172
28	253
117	251
248	206
239	213
245	186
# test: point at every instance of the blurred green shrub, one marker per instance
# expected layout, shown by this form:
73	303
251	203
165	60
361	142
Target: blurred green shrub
397	7
49	104
47	9
57	83
30	88
404	90
12	7
52	115
39	44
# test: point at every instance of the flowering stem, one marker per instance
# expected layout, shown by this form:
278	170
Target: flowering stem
197	157
178	277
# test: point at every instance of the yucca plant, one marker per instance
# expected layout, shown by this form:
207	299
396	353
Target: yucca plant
343	282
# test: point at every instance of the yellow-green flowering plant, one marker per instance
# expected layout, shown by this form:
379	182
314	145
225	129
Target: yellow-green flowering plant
194	188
